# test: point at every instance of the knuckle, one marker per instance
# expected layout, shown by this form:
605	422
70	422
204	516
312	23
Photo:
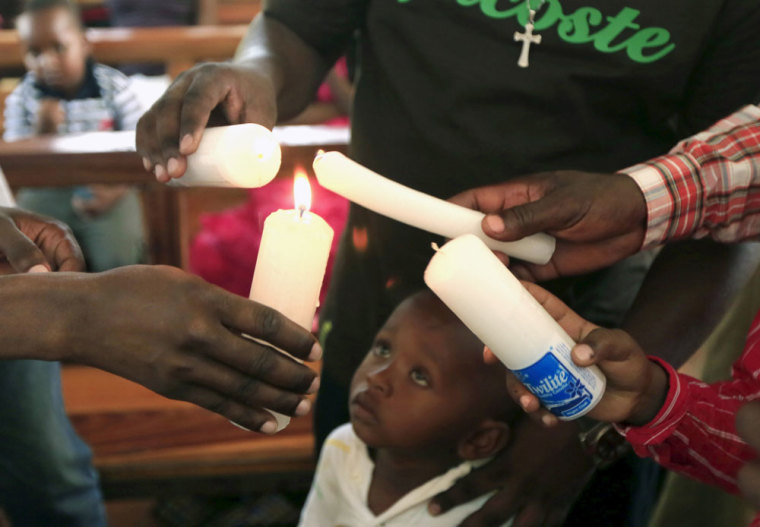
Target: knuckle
269	322
263	362
249	389
198	331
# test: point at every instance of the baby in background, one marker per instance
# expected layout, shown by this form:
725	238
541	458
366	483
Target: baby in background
425	411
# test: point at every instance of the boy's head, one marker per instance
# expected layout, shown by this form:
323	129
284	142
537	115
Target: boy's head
54	44
424	386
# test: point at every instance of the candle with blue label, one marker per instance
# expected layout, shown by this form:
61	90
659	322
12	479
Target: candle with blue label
487	297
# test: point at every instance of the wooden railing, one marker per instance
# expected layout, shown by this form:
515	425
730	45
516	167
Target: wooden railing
177	47
110	157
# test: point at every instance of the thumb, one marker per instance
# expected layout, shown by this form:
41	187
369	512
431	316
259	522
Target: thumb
603	345
523	220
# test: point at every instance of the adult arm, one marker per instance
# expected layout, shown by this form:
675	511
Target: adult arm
274	77
167	330
709	184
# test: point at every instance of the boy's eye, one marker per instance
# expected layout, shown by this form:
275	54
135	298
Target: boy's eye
381	350
420	378
60	48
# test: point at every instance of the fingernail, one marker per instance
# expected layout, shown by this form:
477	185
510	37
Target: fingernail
171	166
434	509
315	353
549	419
525	401
495	223
146	163
185	144
160	172
39	268
314	386
584	352
303	407
269	428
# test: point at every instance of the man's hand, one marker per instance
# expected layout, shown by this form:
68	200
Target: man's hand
636	387
598	219
182	337
172	128
29	241
537	478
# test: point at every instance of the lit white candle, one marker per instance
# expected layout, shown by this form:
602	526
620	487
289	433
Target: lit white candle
477	287
290	267
241	155
357	183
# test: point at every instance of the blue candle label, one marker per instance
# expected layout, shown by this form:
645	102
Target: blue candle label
560	390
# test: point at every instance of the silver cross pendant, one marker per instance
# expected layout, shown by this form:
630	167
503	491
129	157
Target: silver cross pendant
527	39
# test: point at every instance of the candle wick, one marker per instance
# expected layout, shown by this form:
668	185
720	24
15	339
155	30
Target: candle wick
435	246
301	211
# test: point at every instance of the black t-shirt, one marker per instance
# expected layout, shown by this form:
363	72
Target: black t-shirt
441	105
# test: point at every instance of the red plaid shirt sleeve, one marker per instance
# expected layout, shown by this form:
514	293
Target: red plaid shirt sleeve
709	184
694	432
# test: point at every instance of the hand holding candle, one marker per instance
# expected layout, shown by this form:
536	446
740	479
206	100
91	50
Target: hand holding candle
241	155
475	285
348	178
291	264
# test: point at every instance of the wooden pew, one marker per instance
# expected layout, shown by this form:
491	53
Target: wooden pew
145	445
177	47
110	157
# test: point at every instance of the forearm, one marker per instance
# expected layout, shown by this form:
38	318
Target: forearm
295	68
684	295
694	432
708	184
40	314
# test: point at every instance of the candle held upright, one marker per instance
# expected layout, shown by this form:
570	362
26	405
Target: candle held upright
241	155
290	267
487	297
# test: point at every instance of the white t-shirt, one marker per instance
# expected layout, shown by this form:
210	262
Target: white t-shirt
338	495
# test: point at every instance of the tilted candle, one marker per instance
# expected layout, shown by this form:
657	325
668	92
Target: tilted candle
482	292
241	155
348	178
290	267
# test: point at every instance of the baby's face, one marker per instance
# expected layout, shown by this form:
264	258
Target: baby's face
418	385
54	48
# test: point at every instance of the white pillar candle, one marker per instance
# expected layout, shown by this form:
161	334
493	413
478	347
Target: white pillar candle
6	196
477	287
290	267
357	183
241	155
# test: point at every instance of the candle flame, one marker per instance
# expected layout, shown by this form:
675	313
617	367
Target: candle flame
302	192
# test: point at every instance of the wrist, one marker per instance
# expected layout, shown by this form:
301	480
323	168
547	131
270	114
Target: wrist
652	398
42	318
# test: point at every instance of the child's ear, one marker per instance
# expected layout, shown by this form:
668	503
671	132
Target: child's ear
485	440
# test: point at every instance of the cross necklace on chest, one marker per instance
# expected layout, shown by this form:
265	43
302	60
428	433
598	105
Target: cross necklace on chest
528	37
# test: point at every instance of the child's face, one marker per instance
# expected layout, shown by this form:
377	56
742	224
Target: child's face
54	48
418	385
